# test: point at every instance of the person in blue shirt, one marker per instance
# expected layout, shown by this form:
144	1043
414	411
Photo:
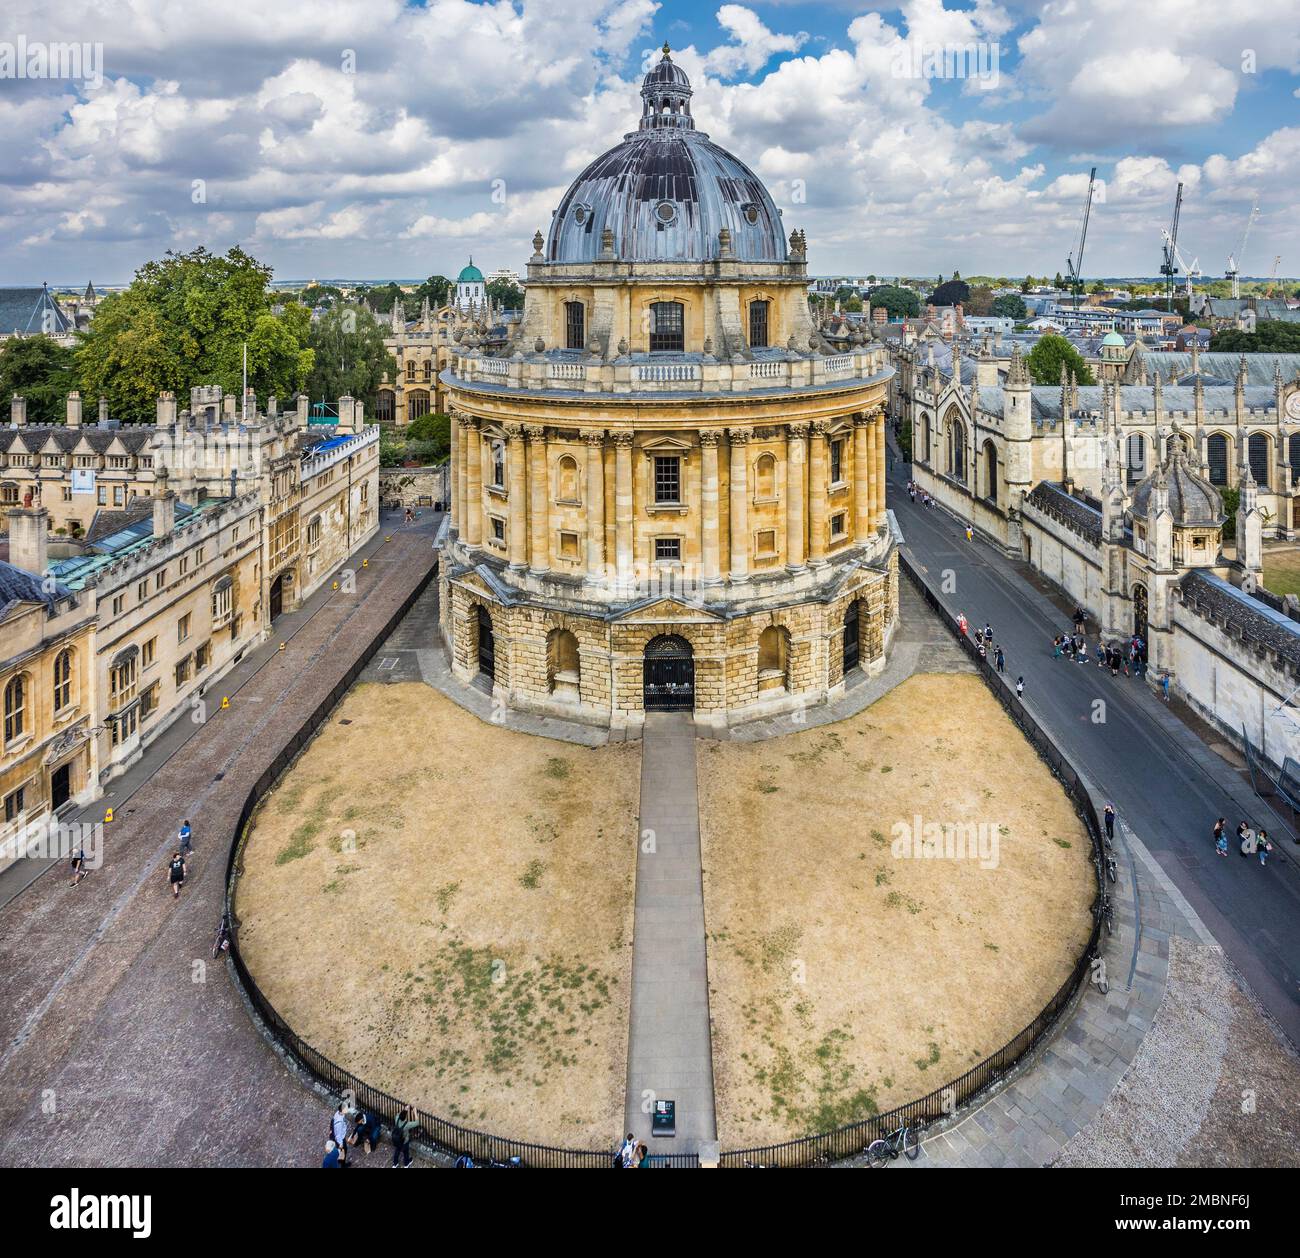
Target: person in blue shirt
331	1158
186	837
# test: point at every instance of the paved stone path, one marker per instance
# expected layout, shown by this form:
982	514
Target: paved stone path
120	1042
670	1051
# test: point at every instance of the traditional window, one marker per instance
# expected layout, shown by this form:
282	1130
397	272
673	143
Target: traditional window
668	478
16	707
183	671
499	464
668	549
667	326
62	680
15	804
147	652
202	656
313	532
575	325
758	324
121	679
837	462
498	529
838	524
119	602
1257	448
183	628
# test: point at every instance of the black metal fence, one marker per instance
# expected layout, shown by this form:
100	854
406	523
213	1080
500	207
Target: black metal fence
845	1142
448	1137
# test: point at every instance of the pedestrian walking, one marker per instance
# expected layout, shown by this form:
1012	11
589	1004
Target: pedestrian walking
1221	845
988	631
1219	828
970	533
1020	687
1249	842
176	874
1101	655
79	870
332	1157
404	1126
626	1155
185	836
963	625
1164	686
1265	847
1000	660
1109	817
1113	656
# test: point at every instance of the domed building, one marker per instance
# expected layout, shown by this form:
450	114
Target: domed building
471	290
668	489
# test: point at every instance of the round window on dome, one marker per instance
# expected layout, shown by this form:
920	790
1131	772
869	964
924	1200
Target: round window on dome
665	212
581	213
750	211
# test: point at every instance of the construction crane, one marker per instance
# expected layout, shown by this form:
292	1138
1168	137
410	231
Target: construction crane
1075	268
1234	258
1169	261
1272	278
1190	271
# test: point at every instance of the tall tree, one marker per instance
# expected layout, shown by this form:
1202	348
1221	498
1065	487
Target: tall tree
184	321
1009	306
1045	359
507	295
40	370
349	356
899	303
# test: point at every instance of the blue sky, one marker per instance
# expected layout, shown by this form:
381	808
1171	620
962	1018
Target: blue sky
380	138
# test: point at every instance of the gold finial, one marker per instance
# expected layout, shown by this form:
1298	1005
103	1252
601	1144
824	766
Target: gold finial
667	50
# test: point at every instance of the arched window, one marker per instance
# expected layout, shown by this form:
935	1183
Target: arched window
16	707
1258	449
773	658
417	404
499	464
1216	451
62	680
758	312
122	678
568	479
990	473
1136	457
667	326
956	449
1293	453
575	325
384	407
765	477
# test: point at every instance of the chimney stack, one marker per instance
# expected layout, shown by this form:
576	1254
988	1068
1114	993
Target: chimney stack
164	504
227	406
29	539
18	411
74	409
103	412
347	408
166	414
302	401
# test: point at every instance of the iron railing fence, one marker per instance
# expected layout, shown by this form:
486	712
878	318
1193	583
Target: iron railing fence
848	1141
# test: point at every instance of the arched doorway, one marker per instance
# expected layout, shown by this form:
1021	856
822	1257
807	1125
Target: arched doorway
852	635
1140	614
487	650
277	597
668	680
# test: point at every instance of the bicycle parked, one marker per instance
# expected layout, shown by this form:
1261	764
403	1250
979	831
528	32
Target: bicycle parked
222	942
906	1140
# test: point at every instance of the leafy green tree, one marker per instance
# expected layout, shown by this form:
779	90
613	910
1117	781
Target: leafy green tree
1045	359
349	356
184	321
952	293
980	301
1059	281
1269	336
432	429
1009	306
1027	283
899	303
40	370
507	295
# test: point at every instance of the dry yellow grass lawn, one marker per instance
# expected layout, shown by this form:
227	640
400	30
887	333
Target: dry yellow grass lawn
844	979
445	908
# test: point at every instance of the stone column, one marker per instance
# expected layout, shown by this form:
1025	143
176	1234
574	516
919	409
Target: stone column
739	438
862	479
453	475
880	467
595	505
709	544
517	475
538	500
473	526
873	483
796	471
817	495
623	504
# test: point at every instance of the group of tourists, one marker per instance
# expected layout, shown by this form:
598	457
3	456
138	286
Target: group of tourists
917	494
632	1155
987	649
351	1126
1113	655
1250	842
178	864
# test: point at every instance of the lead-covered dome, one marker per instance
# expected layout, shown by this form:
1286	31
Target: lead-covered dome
667	191
1193	501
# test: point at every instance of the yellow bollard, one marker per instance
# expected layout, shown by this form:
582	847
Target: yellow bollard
334	585
365	563
225	701
108	816
282	646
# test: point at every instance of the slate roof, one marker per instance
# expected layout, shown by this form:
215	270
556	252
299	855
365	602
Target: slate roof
1259	367
1227	604
135	437
19	586
1052	500
20	311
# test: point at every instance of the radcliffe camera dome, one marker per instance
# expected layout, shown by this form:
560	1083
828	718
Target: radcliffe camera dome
667	191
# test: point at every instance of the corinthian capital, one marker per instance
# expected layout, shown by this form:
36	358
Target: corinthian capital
593	436
622	439
797	431
709	437
535	432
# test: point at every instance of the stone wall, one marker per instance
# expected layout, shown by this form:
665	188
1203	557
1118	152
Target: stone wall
1062	555
414	486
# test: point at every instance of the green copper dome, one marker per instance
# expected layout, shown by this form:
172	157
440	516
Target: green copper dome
470	275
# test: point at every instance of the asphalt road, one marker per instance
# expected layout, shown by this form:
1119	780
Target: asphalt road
1151	767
